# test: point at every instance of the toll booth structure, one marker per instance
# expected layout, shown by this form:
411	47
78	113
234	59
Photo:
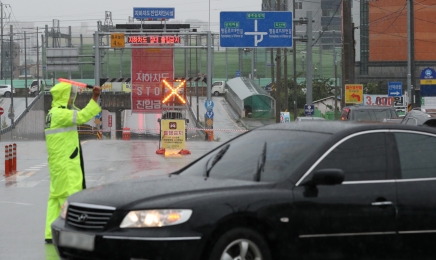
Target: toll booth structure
248	99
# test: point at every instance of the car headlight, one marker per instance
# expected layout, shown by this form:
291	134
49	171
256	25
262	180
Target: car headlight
64	210
155	218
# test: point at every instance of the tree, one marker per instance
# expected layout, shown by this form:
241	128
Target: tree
374	88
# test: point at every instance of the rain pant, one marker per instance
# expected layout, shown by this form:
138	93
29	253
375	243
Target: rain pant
63	148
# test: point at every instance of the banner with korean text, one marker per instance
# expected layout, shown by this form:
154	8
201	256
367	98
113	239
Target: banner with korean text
149	68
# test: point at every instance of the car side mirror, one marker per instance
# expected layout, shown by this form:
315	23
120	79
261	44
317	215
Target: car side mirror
187	121
326	177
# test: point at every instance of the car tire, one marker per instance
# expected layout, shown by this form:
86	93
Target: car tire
216	93
7	94
229	245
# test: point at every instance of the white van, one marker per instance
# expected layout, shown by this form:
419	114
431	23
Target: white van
35	88
219	88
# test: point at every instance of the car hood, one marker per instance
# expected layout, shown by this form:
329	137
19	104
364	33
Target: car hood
127	194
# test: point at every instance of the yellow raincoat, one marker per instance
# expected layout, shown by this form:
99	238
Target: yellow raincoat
63	148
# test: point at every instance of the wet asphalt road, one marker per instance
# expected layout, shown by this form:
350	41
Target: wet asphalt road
23	196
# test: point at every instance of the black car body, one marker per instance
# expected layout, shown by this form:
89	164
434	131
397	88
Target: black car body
283	191
368	113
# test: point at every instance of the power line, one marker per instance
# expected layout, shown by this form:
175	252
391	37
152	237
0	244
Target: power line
331	19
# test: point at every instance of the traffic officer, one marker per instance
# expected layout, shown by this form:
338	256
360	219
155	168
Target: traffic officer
63	146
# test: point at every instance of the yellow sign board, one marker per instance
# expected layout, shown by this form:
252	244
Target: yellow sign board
173	133
353	93
428	82
117	40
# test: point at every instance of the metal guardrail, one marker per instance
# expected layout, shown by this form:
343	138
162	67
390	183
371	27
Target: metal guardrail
22	115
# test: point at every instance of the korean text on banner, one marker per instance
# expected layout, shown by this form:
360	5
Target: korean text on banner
149	68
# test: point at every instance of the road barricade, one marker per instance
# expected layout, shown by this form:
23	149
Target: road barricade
10	159
126	133
209	135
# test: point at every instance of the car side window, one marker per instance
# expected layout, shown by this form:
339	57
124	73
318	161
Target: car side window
363	157
411	121
417	156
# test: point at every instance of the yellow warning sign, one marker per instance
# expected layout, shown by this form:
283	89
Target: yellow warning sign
173	133
353	93
117	40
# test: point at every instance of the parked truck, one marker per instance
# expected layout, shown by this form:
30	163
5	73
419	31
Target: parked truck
37	86
219	88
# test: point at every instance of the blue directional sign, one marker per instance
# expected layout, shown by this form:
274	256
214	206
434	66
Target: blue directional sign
238	74
256	29
395	89
208	104
309	110
209	114
154	13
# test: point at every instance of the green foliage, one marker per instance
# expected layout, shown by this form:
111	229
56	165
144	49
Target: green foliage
321	88
373	88
4	124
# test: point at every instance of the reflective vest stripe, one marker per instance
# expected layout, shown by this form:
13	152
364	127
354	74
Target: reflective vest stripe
61	130
75	117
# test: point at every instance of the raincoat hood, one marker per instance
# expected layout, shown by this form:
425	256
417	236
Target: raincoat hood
61	94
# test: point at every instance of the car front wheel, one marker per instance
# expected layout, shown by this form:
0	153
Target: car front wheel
216	93
7	94
240	243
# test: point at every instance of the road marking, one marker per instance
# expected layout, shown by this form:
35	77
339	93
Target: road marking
18	174
30	174
17	203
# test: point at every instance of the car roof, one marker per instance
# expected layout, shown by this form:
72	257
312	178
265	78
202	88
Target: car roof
369	107
333	127
420	116
310	118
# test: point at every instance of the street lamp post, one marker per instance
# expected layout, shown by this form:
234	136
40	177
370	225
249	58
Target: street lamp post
25	66
11	112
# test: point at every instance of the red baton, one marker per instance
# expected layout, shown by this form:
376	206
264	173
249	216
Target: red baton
76	83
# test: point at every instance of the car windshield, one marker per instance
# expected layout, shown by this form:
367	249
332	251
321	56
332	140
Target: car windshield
285	151
382	114
362	115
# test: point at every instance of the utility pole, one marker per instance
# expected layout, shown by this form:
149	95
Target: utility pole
348	45
1	43
309	65
320	55
25	66
294	61
278	85
410	51
11	57
37	60
336	75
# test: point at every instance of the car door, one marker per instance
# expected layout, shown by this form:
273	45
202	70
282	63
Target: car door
363	207
416	186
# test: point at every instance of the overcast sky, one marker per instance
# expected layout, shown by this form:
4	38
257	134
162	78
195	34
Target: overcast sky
73	12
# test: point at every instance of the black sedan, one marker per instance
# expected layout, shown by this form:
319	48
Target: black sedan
284	191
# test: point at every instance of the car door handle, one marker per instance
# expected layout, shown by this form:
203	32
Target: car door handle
381	203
